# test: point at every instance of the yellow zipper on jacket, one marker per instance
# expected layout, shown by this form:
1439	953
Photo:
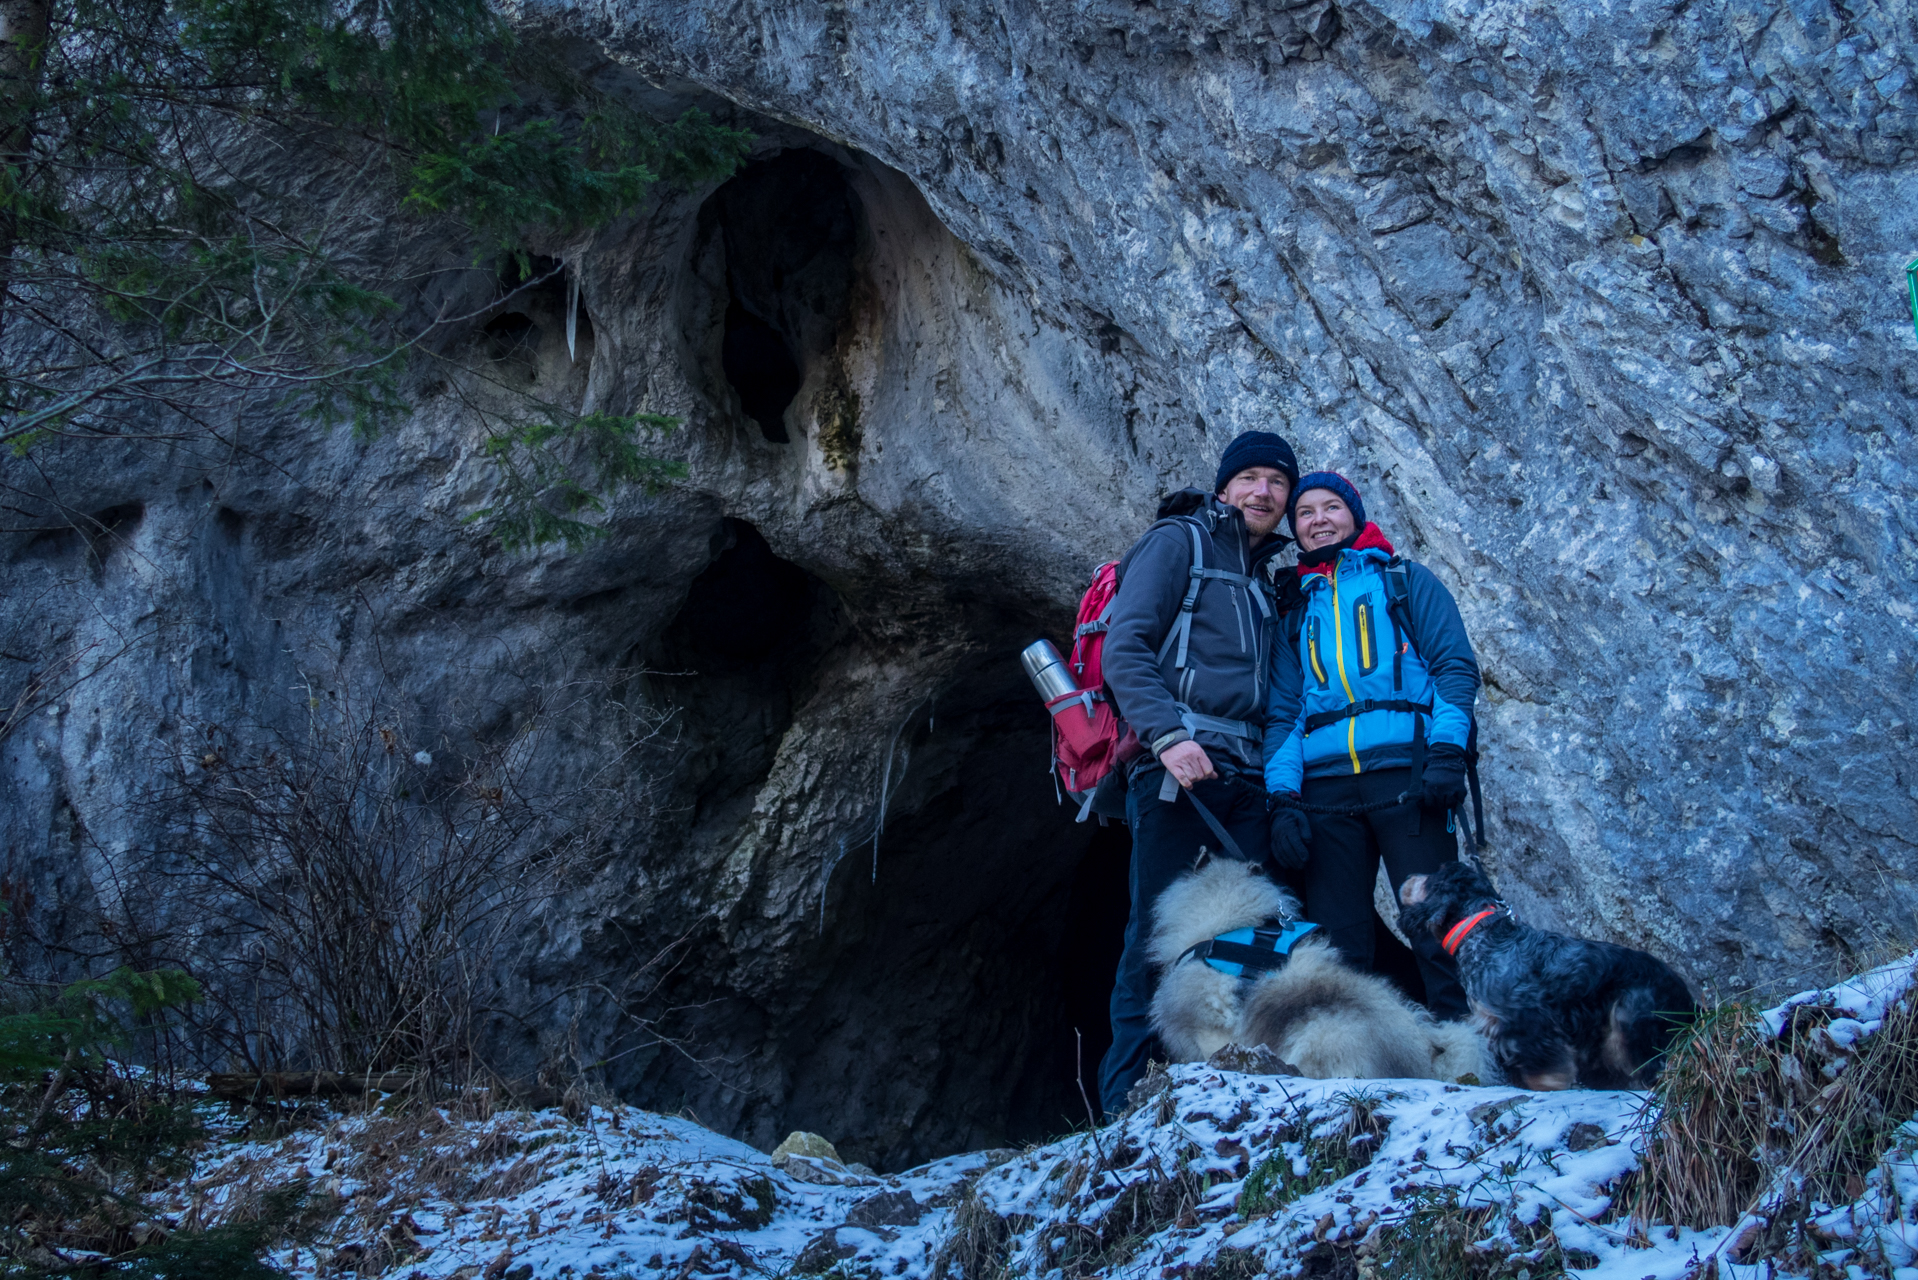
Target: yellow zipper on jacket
1338	648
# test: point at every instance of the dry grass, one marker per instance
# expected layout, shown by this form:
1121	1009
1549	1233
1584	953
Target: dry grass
1749	1123
1156	1198
976	1247
1331	1149
1432	1236
1099	1236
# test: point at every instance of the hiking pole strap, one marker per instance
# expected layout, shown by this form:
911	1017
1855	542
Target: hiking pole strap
1478	803
1418	771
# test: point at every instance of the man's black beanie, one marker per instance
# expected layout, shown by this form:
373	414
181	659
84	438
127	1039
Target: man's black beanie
1257	449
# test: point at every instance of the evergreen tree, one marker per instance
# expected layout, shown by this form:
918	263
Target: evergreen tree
85	1138
162	265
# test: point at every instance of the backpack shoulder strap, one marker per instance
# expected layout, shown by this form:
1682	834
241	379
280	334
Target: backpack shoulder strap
1398	587
1290	602
1180	634
1398	608
1103	622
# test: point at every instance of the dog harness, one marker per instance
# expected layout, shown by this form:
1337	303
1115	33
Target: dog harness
1245	953
1455	936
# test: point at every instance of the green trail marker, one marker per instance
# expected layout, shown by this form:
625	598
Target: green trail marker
1911	290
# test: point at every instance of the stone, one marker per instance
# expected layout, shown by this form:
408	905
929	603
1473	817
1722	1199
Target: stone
1152	1084
828	1173
887	1209
1584	1135
1256	1059
822	1253
811	1145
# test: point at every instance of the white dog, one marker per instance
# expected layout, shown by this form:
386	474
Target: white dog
1324	1018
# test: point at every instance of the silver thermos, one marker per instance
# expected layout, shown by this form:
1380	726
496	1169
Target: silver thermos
1047	670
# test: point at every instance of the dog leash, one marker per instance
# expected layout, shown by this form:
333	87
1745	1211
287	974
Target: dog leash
1218	828
1171	784
1475	838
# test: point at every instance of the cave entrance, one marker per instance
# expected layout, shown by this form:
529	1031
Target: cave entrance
957	986
969	975
791	228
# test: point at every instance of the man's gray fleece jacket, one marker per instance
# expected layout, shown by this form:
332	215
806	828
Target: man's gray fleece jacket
1225	671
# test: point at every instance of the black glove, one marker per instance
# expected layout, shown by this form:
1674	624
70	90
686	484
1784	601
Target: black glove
1442	788
1291	835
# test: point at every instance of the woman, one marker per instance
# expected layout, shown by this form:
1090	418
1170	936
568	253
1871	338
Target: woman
1370	705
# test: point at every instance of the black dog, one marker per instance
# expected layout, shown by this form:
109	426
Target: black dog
1556	1011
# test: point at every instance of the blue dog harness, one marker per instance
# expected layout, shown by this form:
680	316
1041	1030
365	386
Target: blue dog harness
1246	953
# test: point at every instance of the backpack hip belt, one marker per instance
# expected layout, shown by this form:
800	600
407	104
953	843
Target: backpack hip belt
1194	722
1319	719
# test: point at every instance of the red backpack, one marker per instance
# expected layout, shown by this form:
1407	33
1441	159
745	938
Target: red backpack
1089	740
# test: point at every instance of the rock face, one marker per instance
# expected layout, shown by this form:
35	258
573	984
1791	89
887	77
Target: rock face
1600	305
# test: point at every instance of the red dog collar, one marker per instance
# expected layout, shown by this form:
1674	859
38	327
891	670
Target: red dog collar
1455	936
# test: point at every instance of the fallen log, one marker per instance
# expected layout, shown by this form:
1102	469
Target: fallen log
256	1086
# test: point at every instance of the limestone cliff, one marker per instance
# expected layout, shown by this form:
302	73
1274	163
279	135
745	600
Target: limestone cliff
1602	306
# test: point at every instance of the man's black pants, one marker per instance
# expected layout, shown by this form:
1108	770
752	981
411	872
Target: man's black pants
1166	839
1345	865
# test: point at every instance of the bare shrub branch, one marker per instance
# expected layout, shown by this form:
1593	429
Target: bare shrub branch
357	891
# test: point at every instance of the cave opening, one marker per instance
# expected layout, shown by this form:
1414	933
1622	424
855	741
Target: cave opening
761	369
526	334
949	990
971	955
955	987
791	227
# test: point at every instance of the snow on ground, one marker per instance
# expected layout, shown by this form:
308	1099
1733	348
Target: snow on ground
1534	1158
1218	1173
1865	997
620	1192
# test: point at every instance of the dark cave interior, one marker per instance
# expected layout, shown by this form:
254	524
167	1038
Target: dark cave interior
791	228
954	993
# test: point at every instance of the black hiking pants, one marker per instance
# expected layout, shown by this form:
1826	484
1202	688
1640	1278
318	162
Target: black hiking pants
1166	839
1345	865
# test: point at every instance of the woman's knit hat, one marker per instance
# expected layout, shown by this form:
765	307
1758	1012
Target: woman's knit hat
1337	484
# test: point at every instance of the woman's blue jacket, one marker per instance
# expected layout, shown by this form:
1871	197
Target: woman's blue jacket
1344	657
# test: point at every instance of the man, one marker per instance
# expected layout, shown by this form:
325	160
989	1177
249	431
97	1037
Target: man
1193	686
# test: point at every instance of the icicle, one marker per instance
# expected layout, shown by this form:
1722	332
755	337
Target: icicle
825	883
572	312
885	780
885	798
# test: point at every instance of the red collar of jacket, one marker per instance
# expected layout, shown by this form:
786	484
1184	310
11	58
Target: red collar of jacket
1369	539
